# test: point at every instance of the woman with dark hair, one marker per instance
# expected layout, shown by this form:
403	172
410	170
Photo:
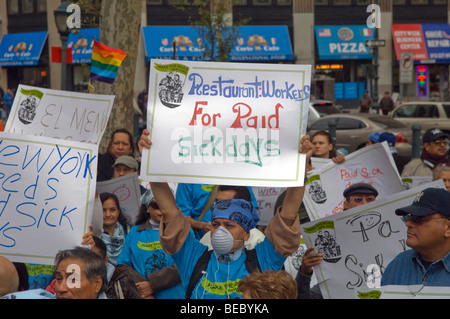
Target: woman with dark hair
143	252
115	226
323	145
121	143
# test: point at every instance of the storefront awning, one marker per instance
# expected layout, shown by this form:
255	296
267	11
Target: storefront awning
22	49
343	42
82	43
255	43
428	42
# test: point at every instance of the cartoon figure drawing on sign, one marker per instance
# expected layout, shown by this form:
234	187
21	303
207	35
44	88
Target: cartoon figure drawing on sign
326	244
170	90
316	192
27	108
365	222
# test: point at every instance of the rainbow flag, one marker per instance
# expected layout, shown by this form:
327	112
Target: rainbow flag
105	62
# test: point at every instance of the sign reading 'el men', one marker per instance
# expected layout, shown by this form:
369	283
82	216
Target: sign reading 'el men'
226	123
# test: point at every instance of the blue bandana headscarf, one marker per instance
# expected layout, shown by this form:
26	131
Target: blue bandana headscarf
239	211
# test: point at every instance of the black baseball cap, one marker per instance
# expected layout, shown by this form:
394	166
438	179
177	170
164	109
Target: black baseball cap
433	134
360	188
427	202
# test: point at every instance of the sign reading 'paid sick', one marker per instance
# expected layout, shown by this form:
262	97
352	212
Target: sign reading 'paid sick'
47	192
247	116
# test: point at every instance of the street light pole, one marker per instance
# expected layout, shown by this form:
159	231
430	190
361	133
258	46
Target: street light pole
64	31
375	104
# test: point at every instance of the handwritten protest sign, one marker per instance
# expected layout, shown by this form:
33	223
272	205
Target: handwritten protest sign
65	115
414	181
266	197
414	292
358	243
127	190
372	164
47	195
226	123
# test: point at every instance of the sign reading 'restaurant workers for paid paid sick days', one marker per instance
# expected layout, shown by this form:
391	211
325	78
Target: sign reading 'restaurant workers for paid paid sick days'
226	123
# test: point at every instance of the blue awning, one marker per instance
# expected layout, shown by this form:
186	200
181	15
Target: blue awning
343	42
255	43
82	44
20	49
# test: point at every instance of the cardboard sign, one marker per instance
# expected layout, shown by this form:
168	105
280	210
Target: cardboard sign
373	165
226	123
127	190
64	115
358	243
47	196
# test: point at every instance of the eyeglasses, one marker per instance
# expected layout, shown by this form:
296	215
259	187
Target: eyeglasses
153	205
359	199
440	142
419	219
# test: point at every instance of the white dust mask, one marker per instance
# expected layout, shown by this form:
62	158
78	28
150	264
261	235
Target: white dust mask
222	241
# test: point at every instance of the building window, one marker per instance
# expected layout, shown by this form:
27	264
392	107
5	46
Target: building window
399	2
284	2
240	2
27	6
439	1
363	2
42	6
154	2
419	2
321	2
178	2
13	7
262	2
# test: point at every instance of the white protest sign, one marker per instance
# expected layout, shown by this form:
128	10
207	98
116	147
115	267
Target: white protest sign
226	123
47	196
65	115
414	292
359	242
318	163
127	190
266	197
372	164
414	181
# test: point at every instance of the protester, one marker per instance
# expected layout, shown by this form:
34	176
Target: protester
356	195
235	192
8	99
80	264
365	103
386	104
92	274
195	201
142	251
115	226
442	172
268	285
231	224
434	153
9	278
125	165
121	143
427	263
400	161
323	145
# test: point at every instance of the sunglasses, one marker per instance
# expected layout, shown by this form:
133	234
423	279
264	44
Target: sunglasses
419	219
153	205
359	199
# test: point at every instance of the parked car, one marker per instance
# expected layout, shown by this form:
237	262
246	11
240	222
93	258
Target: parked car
352	130
426	114
319	108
